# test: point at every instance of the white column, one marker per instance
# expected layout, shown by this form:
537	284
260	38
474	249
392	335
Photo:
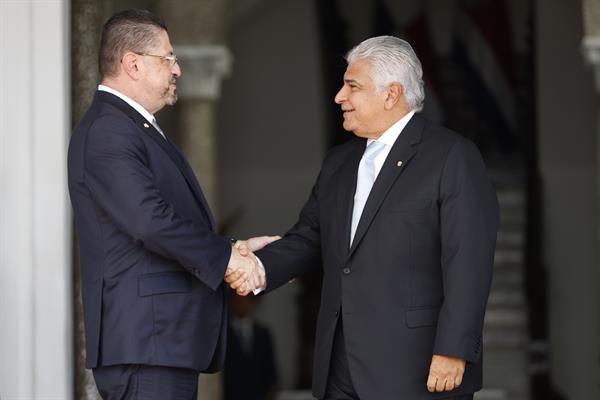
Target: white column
35	235
566	119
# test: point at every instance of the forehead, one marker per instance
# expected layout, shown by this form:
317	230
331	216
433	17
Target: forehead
162	42
359	71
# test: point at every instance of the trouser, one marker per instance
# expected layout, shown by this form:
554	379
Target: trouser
145	382
339	381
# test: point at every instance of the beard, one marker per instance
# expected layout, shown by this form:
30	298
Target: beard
169	97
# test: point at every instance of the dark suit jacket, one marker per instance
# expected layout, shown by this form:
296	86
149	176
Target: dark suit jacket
416	280
249	374
151	265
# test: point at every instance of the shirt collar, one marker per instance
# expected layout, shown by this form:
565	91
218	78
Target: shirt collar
137	106
390	136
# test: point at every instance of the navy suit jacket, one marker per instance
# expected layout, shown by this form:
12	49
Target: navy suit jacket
416	279
151	265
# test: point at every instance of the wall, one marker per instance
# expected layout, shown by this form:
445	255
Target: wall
567	112
35	254
270	139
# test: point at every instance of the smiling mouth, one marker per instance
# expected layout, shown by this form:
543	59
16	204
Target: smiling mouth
347	111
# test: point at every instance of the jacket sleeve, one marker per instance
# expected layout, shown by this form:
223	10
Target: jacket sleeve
122	185
299	251
469	220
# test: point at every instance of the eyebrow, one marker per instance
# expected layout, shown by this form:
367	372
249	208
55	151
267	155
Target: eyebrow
350	81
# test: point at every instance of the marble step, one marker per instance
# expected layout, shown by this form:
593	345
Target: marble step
491	394
507	370
512	225
517	215
505	319
500	339
507	279
510	239
512	197
294	395
483	394
508	256
500	298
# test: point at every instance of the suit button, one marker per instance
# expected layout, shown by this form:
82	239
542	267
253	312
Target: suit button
336	313
346	271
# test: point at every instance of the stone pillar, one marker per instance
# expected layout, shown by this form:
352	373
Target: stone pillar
591	39
591	49
35	235
198	89
87	17
197	31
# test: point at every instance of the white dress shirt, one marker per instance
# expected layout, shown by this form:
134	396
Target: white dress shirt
137	106
389	137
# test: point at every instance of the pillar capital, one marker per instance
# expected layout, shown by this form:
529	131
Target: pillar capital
591	40
203	69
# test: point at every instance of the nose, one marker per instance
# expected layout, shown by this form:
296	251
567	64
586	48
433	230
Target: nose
176	70
340	97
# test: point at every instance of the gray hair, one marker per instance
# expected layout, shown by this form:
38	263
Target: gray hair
130	30
392	60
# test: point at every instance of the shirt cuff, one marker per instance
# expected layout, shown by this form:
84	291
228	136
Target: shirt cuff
262	267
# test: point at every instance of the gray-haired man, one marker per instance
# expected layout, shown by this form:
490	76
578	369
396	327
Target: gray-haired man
403	220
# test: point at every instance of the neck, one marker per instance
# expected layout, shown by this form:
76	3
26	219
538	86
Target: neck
388	121
128	90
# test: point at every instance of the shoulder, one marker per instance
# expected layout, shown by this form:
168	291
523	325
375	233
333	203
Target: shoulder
112	127
112	135
445	141
105	117
338	154
436	134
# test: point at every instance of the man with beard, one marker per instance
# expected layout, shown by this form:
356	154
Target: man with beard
152	265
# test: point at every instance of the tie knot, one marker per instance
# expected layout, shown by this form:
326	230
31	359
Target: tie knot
373	149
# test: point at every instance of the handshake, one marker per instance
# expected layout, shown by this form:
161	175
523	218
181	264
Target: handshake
245	272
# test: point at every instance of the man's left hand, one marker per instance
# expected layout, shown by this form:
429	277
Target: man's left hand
445	373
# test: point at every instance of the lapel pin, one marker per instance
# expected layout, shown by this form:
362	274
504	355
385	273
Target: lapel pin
146	125
399	163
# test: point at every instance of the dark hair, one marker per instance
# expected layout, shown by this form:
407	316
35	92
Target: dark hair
130	30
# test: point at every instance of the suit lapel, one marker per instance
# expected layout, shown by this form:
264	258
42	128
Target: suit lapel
189	175
169	147
345	198
395	163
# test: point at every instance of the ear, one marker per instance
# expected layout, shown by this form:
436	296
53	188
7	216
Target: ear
393	94
130	65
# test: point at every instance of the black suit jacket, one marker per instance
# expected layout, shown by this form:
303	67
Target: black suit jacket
416	280
151	265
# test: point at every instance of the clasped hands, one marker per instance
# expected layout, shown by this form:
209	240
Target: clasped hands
244	273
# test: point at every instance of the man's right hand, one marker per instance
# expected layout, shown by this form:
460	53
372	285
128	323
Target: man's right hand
254	244
243	273
445	373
